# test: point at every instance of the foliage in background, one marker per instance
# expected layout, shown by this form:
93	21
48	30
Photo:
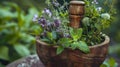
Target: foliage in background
111	62
15	25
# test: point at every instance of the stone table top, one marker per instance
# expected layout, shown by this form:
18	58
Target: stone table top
29	61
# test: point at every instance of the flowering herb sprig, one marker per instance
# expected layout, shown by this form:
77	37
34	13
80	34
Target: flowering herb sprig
96	19
54	23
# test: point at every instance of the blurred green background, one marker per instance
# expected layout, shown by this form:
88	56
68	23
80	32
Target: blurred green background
16	41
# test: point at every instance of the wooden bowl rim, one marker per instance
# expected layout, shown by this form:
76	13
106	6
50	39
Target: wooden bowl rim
106	41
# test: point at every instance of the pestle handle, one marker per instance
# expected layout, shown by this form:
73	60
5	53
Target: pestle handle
76	13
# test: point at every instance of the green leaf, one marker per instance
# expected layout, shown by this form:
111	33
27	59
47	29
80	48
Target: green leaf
29	16
21	50
12	4
98	26
74	45
5	13
60	50
76	33
36	30
103	65
26	38
65	42
4	52
83	47
112	62
20	19
51	35
54	35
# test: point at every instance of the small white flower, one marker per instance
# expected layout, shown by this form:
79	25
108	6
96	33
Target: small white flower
35	18
99	8
47	11
105	16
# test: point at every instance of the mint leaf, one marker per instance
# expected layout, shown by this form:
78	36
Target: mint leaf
65	42
76	33
60	50
74	45
83	47
49	35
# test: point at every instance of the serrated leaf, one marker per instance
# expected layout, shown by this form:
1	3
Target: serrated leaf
21	50
74	45
76	33
83	47
4	52
60	50
65	42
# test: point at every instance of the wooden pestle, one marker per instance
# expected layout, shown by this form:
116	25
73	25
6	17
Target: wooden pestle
76	13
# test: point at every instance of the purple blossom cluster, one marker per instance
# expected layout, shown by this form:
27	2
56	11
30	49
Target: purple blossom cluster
45	24
48	26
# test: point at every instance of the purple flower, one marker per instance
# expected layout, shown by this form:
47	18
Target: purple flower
95	2
42	21
47	11
57	22
35	18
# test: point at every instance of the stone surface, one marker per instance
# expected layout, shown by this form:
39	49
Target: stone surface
30	61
